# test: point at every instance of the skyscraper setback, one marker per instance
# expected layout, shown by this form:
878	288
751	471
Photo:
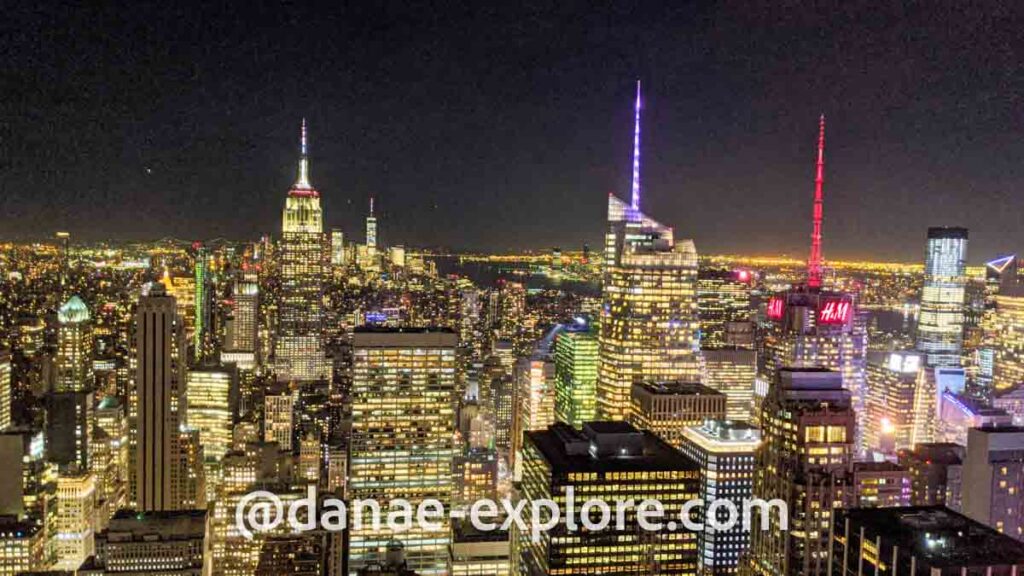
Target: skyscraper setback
299	350
648	322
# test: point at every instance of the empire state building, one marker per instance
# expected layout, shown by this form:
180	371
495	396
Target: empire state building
299	349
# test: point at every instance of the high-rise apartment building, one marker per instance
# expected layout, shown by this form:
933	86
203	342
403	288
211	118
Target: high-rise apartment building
279	417
993	478
403	426
576	357
159	389
940	325
667	408
6	389
74	347
724	451
616	462
807	427
648	327
299	349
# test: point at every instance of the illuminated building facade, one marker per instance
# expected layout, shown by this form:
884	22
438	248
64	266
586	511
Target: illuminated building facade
299	351
649	327
616	462
6	389
723	299
478	553
667	408
212	397
935	473
959	413
21	547
813	328
993	478
337	247
403	426
575	374
242	333
166	543
807	427
76	493
279	417
724	451
733	372
74	347
1011	401
1007	335
201	314
534	399
940	326
900	402
919	540
880	485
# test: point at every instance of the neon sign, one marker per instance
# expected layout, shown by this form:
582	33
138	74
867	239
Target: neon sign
834	312
776	306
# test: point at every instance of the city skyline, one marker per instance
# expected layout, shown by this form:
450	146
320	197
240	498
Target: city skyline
523	153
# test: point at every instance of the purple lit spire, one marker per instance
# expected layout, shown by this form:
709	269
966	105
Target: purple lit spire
635	199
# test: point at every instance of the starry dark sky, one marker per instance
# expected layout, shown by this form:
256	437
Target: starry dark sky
506	126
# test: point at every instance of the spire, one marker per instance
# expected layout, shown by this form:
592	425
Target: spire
814	261
371	206
635	196
303	181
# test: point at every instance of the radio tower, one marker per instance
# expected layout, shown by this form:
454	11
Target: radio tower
814	261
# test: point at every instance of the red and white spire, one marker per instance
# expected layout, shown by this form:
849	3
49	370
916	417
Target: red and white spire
814	262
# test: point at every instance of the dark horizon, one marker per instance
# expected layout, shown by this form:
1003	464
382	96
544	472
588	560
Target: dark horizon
494	128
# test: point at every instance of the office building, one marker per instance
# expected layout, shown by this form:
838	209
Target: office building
74	347
880	485
533	396
298	347
1006	330
940	325
733	372
279	416
807	427
1011	401
616	462
993	479
159	388
667	408
919	540
21	546
242	332
201	314
724	452
6	389
575	374
958	413
76	500
900	402
337	247
165	543
935	474
212	398
723	299
70	422
402	444
648	327
478	553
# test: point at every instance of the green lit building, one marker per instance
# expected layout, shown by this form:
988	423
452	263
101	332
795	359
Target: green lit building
575	374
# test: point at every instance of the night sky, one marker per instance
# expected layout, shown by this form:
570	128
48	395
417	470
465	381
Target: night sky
506	127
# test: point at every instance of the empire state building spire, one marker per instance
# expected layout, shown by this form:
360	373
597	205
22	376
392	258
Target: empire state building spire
303	181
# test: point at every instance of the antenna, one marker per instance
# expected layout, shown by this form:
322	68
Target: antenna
814	261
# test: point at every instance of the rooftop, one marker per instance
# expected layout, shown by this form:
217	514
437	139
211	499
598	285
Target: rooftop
606	447
677	388
937	535
74	311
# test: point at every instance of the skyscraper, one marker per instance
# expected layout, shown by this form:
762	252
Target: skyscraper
279	417
575	374
337	247
649	328
935	472
899	401
201	314
371	229
993	478
1007	334
667	408
940	325
807	425
299	351
159	388
5	389
403	425
615	462
212	395
74	347
533	396
724	451
723	299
